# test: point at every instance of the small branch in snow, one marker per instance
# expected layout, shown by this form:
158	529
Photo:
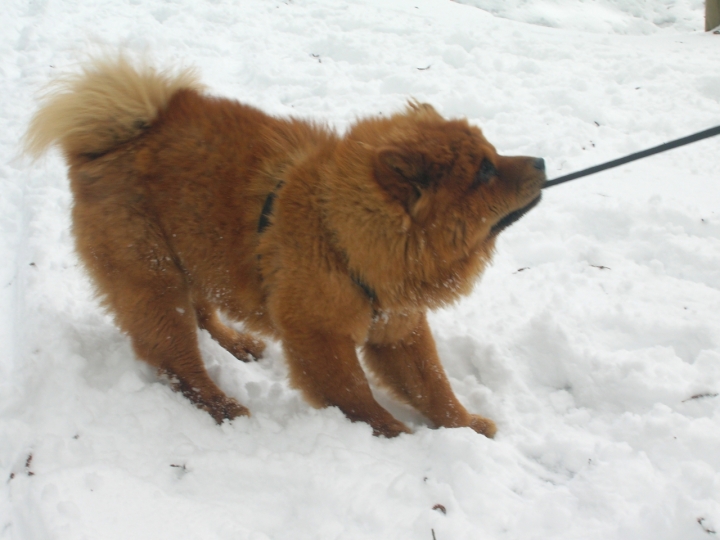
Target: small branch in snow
425	68
433	533
182	470
440	508
522	269
704	527
701	396
600	266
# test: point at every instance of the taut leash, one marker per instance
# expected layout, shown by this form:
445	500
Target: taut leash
638	155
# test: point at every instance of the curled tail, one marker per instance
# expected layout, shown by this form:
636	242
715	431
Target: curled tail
109	102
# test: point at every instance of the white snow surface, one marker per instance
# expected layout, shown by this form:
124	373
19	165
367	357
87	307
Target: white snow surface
593	340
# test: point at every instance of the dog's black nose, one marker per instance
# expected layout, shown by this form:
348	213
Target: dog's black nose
539	164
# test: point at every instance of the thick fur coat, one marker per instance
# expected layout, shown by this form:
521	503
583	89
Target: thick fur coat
187	204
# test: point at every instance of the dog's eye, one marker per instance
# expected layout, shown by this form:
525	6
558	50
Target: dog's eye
486	172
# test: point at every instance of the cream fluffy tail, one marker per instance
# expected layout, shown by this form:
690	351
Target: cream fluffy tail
109	102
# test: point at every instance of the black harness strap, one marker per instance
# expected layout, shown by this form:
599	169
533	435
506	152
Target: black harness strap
369	292
267	208
264	223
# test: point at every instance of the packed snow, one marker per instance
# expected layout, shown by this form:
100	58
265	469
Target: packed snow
593	340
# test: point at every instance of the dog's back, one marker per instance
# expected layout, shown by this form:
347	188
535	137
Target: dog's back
168	184
149	153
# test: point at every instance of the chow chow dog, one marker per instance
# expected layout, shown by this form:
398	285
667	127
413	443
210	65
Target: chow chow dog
187	205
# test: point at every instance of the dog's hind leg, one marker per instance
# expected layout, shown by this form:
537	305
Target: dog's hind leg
163	329
241	345
405	359
152	304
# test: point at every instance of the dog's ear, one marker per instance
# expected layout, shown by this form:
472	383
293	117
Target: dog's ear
402	173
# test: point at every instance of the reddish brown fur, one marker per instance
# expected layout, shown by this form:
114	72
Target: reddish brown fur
166	214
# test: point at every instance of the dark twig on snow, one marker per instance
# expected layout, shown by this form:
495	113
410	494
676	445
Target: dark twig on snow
701	396
704	527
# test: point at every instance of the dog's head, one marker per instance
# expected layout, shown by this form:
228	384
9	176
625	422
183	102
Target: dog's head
446	175
446	194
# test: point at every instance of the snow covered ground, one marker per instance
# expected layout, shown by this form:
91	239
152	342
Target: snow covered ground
593	341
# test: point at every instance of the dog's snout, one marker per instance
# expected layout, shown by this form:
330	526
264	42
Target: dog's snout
539	164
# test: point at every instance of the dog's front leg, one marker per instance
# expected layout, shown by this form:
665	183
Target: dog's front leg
326	368
402	354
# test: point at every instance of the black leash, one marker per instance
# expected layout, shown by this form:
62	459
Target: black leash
638	155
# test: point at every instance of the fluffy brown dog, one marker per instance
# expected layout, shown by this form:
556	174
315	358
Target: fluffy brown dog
187	204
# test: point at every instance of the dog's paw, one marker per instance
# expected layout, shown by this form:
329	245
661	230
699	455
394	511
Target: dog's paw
484	426
247	348
224	408
390	429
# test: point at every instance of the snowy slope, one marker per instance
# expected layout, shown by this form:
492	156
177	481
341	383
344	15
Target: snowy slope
593	341
613	16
